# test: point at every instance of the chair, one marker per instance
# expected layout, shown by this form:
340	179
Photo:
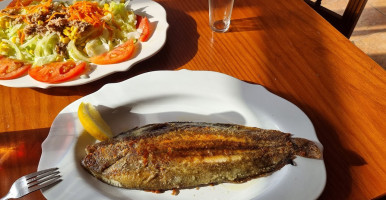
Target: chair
344	23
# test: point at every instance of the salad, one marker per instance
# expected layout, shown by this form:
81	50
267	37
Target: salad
54	41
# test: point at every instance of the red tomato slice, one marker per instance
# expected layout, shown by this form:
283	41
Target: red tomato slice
145	27
57	72
11	68
16	3
119	54
139	19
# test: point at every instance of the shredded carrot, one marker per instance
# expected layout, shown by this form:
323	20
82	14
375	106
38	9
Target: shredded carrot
53	15
87	11
18	4
82	11
21	36
41	6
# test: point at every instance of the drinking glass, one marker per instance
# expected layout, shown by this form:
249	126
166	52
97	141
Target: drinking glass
220	12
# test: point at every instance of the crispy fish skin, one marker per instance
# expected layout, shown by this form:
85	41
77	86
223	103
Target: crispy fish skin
178	155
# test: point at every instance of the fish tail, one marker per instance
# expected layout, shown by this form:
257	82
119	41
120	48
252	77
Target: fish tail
306	148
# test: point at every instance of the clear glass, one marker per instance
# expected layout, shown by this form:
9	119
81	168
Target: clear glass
220	12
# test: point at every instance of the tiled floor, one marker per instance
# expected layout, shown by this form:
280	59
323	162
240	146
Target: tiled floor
370	31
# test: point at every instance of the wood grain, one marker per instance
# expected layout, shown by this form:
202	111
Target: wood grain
284	46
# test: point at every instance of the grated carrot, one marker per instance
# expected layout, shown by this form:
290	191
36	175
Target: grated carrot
87	11
82	11
18	4
21	35
53	15
42	6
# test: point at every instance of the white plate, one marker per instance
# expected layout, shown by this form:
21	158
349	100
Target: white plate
163	96
157	18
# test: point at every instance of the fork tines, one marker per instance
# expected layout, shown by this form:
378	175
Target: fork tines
40	179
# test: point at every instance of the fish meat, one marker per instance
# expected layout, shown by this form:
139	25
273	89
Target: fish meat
178	155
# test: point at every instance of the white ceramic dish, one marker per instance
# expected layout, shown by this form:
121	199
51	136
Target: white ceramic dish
157	17
163	96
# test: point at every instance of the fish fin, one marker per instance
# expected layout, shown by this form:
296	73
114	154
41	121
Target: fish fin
306	148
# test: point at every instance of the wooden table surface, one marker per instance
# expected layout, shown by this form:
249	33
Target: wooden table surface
282	45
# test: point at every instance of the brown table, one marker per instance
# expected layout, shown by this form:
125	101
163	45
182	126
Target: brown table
284	46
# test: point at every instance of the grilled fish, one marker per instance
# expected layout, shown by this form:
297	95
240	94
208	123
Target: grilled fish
179	155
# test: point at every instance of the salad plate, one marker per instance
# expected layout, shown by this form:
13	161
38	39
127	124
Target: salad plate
198	96
157	18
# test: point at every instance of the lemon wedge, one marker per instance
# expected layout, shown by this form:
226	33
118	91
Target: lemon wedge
93	122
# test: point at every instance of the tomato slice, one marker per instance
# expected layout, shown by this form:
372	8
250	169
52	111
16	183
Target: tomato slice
119	54
144	26
16	3
57	72
11	68
139	19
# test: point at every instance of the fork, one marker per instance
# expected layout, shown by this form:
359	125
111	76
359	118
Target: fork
32	182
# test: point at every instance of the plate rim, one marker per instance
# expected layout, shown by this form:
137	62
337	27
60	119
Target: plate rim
161	31
188	72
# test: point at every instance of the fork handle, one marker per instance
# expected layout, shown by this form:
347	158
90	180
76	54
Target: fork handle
6	197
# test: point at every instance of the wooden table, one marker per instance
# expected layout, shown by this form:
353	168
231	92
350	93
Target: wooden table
284	46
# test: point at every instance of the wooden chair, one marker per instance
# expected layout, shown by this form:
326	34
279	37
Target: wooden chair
344	23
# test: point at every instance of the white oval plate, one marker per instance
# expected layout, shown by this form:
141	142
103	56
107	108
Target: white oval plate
163	96
157	18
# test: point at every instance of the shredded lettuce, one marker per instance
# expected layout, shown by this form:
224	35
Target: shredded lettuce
44	51
31	43
96	47
14	50
46	45
39	49
12	31
39	61
74	53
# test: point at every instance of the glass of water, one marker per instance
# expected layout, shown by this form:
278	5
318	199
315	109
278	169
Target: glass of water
220	12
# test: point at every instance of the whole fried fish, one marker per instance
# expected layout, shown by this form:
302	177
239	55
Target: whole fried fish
178	155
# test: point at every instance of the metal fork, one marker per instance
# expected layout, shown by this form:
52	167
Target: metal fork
32	182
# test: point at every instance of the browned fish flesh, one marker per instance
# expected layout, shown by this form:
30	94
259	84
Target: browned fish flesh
179	155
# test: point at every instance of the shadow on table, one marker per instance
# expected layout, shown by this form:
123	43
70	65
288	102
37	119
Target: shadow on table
298	69
183	32
333	152
20	150
245	24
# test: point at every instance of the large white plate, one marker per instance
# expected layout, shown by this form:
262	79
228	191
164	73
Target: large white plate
157	17
184	95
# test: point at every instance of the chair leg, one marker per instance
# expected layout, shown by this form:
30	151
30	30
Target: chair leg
333	18
315	5
351	16
318	3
